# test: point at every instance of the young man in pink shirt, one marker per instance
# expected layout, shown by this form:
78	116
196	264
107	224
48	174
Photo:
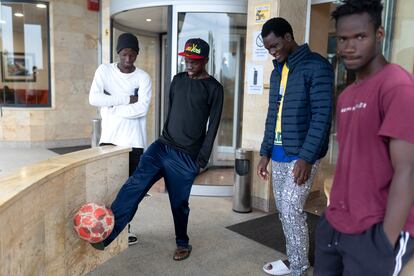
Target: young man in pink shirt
368	227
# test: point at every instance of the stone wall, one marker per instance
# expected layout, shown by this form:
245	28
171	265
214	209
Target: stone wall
37	205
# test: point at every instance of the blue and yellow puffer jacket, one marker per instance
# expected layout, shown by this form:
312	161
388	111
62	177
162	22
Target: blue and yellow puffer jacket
307	106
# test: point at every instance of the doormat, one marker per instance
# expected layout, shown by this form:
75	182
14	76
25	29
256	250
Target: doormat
268	231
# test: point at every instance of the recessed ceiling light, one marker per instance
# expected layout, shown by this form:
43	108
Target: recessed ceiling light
148	19
18	14
2	21
41	6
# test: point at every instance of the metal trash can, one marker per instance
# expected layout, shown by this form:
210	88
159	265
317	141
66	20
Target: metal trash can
96	132
242	181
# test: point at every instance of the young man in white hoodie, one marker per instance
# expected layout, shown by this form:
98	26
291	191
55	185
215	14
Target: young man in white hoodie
123	93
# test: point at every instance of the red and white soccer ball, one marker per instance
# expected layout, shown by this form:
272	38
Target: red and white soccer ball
93	222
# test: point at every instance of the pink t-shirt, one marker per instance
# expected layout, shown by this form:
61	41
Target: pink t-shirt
368	114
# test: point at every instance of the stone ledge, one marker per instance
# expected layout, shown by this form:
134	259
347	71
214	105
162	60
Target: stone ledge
37	205
14	184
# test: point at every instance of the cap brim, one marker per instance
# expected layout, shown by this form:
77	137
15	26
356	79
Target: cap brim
190	56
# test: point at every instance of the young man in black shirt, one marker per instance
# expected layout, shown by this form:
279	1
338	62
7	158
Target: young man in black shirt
183	148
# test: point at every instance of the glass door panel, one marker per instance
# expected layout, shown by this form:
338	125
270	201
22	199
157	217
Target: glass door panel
225	33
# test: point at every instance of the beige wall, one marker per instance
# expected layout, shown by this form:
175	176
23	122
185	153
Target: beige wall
255	106
74	40
105	31
403	39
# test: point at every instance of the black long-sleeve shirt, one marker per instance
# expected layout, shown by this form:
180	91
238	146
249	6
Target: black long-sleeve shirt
193	103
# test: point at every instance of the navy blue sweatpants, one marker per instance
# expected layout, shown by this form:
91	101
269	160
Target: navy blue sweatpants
367	254
179	171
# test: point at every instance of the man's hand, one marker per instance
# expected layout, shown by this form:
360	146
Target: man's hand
301	171
133	99
392	233
261	170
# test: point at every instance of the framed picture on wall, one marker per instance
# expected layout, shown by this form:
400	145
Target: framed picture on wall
18	67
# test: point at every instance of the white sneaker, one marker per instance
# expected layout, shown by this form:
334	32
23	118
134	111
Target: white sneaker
276	268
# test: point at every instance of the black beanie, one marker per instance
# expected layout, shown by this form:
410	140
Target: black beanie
127	40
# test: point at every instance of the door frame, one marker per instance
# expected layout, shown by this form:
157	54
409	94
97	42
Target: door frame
308	15
176	9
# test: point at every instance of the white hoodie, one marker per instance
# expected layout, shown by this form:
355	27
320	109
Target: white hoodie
123	124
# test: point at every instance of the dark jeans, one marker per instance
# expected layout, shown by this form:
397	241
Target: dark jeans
134	157
365	254
179	171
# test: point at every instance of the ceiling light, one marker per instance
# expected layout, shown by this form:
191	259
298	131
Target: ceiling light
18	14
41	6
148	19
2	21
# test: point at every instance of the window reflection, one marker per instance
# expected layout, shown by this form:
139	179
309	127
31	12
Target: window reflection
24	56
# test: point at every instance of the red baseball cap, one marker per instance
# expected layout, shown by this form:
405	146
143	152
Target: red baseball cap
195	48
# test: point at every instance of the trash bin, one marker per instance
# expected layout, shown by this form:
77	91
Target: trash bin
242	181
96	132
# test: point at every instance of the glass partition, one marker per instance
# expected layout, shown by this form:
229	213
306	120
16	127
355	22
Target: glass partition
225	33
24	56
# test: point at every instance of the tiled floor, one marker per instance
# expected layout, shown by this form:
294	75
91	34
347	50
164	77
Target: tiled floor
216	250
316	205
216	176
219	176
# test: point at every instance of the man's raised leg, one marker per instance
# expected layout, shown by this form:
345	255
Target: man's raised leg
134	190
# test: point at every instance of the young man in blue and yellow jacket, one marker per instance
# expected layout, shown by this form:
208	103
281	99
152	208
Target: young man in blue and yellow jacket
296	135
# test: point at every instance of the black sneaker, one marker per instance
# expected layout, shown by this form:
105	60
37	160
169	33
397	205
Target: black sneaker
98	246
132	239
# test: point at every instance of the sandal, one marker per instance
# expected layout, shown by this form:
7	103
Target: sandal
182	253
